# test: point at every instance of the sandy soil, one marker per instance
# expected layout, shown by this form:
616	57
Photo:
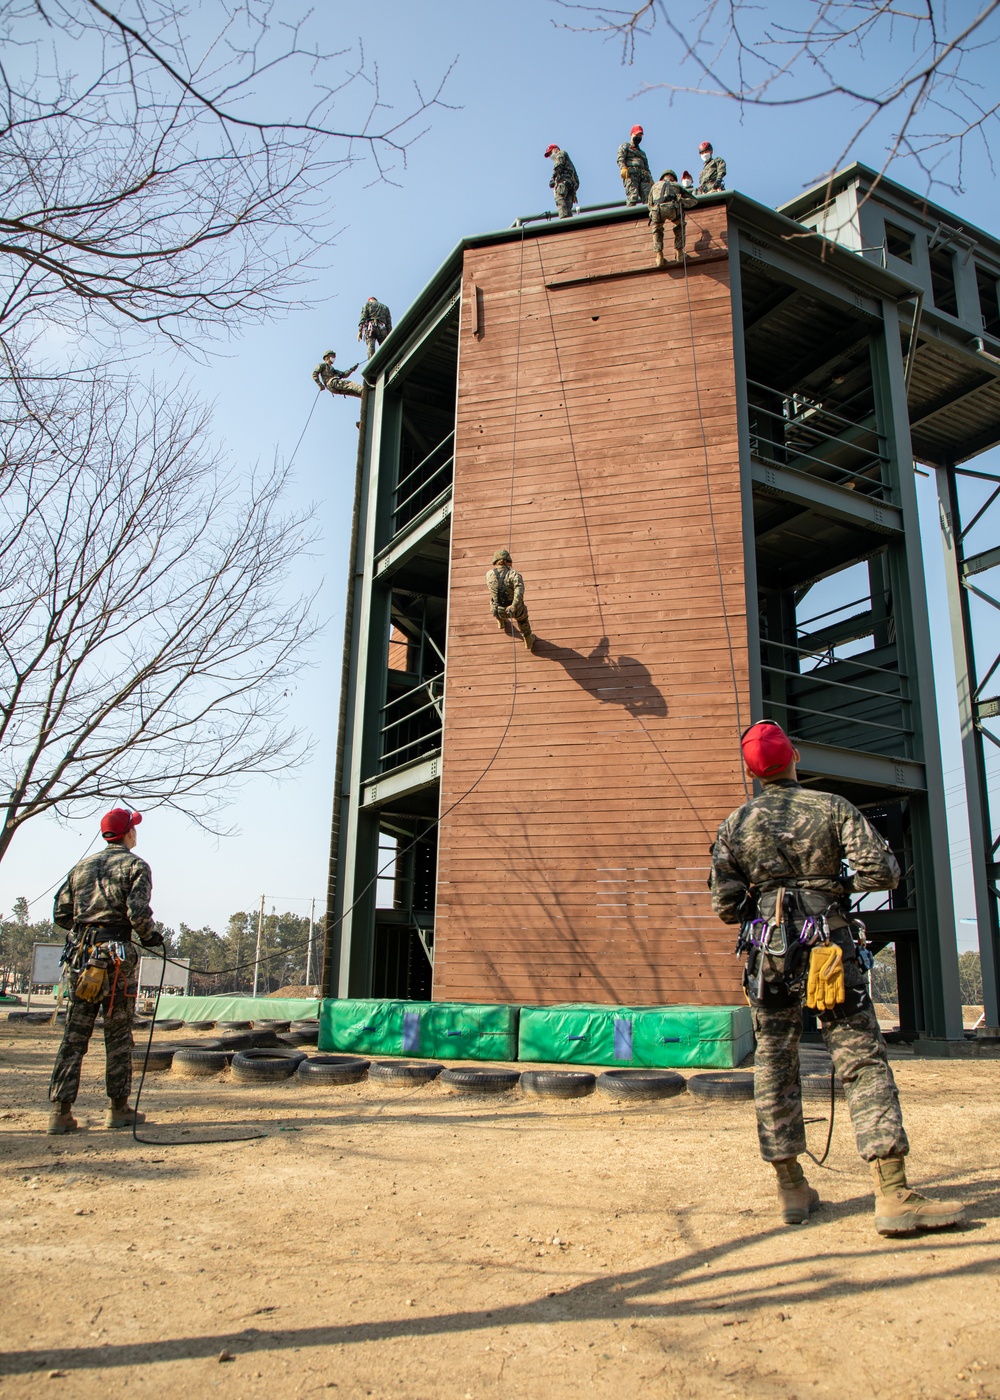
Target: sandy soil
420	1244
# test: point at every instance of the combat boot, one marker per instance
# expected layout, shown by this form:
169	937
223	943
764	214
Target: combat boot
501	624
119	1115
61	1118
660	259
797	1197
529	640
900	1211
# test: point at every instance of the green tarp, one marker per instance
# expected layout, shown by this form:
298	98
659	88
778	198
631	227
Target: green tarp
427	1030
671	1037
237	1008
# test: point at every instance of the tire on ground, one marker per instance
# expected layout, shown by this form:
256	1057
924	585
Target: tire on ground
640	1083
256	1066
480	1081
160	1056
199	1062
199	1025
168	1025
333	1069
294	1037
722	1084
404	1071
307	1023
558	1084
249	1040
234	1025
277	1026
817	1086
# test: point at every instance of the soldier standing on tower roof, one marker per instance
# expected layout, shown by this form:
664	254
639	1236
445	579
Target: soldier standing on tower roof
634	169
687	180
375	324
507	596
778	869
103	902
713	170
667	201
326	376
565	181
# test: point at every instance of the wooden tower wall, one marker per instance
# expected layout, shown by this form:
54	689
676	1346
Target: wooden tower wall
576	869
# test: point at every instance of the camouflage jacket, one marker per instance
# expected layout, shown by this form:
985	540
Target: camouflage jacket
796	837
634	160
563	171
713	175
325	374
665	191
506	586
112	886
375	314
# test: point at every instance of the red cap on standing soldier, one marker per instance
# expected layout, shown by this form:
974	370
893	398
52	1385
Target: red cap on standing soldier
767	749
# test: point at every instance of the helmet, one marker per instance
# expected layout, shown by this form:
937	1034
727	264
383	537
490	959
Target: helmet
705	146
669	175
501	555
550	149
328	353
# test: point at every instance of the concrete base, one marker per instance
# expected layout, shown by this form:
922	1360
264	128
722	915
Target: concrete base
934	1049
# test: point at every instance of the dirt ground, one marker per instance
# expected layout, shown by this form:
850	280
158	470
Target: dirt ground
416	1243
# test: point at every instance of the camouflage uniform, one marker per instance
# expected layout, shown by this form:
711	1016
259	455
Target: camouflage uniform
795	838
668	200
564	183
329	377
713	175
637	179
104	899
507	593
375	325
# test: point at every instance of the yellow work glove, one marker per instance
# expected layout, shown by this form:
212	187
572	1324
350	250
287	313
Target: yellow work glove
825	988
624	171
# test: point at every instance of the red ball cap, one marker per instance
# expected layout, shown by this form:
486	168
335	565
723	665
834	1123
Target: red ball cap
767	749
636	131
117	822
550	149
705	146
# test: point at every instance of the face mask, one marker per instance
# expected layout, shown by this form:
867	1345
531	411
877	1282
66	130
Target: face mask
705	156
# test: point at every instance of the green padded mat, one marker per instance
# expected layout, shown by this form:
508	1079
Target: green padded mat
428	1030
237	1008
670	1037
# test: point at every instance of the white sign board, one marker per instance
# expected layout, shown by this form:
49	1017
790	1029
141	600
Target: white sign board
45	969
175	975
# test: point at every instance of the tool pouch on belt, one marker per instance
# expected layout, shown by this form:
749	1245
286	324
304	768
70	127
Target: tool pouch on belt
778	962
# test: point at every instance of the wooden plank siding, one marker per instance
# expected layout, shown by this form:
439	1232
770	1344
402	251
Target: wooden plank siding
576	868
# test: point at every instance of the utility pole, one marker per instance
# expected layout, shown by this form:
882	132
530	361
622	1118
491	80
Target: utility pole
309	945
256	956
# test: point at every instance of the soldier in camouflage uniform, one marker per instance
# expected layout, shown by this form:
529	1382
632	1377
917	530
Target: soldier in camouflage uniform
713	170
104	900
634	169
327	376
375	324
784	852
565	181
668	201
507	596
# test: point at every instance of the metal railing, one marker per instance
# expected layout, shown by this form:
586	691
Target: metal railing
410	732
808	437
848	696
422	483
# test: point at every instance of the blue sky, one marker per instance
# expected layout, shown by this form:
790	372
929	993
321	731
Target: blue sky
520	81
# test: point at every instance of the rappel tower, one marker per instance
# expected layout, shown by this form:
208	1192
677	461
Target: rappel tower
674	457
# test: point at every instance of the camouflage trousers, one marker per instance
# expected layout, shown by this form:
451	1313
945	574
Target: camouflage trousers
373	337
518	614
118	1006
659	214
637	188
565	194
861	1062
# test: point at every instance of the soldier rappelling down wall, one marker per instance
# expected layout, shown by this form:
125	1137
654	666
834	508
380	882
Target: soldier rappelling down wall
507	596
778	870
634	169
375	324
338	381
667	202
565	181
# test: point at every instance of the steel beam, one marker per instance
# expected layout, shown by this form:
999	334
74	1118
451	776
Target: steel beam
827	499
402	782
901	775
979	563
428	525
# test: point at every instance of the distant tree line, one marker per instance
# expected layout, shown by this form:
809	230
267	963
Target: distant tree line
282	944
970	978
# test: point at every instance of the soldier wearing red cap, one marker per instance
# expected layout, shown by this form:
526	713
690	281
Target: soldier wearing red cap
634	168
713	170
565	181
103	902
375	324
784	866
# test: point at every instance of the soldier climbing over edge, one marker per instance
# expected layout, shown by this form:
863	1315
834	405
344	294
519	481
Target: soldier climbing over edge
565	181
103	901
778	870
327	376
375	324
668	201
507	596
634	168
